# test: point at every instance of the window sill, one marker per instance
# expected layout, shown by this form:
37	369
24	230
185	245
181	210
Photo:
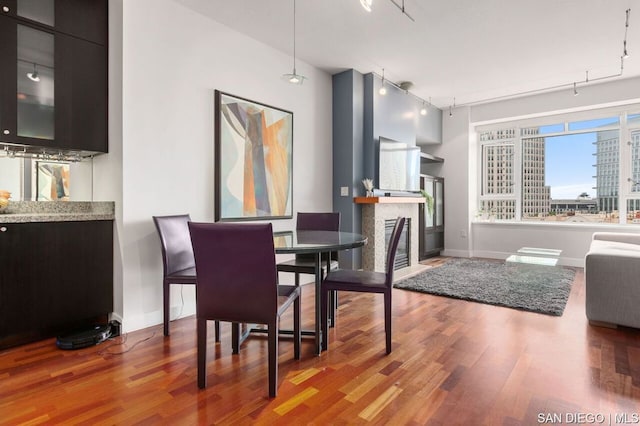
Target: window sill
576	225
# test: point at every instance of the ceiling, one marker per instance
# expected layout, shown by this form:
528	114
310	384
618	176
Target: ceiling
470	50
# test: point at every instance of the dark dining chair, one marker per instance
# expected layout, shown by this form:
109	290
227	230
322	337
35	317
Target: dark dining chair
305	263
177	258
238	282
364	281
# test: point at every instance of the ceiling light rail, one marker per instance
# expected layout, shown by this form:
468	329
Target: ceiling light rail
404	86
402	9
573	85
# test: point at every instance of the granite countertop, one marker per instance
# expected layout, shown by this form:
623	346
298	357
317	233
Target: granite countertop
57	211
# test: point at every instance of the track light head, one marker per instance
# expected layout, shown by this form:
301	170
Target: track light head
366	4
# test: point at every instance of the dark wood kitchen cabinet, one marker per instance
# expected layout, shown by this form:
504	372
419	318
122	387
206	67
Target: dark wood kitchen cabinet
53	93
54	277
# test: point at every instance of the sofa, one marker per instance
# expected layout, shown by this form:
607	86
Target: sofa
612	280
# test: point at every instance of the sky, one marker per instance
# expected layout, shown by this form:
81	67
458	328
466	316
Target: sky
570	159
569	164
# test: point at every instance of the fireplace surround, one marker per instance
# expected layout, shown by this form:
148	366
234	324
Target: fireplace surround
375	212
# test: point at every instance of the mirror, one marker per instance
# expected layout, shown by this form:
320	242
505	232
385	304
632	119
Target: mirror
42	180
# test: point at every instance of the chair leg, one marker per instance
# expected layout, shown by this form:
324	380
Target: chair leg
165	305
296	328
387	320
273	358
333	305
235	337
217	330
202	352
324	295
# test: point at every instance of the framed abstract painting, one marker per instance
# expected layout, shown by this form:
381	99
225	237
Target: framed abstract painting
253	160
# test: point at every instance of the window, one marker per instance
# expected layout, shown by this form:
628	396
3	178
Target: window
562	171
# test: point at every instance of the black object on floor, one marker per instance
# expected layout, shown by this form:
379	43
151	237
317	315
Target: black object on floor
84	338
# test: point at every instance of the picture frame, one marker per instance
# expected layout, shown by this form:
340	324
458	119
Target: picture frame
52	181
253	160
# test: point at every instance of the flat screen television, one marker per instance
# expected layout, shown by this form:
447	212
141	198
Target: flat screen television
398	166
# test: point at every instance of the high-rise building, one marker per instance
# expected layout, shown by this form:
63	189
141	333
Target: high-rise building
607	170
536	196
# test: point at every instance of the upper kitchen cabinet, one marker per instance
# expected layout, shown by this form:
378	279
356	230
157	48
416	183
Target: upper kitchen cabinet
85	19
53	93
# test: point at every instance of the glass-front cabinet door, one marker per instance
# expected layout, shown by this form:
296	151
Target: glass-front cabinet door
53	74
431	217
8	40
41	11
35	84
27	95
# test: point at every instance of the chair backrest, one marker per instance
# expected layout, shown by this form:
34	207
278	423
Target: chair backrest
317	222
392	248
236	271
177	252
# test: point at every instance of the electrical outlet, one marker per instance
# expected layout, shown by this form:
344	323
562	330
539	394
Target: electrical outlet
344	191
463	233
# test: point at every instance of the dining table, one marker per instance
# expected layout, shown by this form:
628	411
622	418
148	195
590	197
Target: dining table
317	243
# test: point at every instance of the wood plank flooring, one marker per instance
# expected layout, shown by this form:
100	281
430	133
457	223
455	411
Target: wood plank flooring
453	362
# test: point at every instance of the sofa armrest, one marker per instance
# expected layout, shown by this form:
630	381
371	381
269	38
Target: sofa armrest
621	237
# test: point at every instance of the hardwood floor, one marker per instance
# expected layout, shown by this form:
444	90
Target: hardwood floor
453	362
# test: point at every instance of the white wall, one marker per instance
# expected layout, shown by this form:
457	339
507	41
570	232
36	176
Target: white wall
172	61
497	240
11	171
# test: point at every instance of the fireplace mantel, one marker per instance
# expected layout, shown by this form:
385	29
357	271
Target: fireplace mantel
389	200
375	211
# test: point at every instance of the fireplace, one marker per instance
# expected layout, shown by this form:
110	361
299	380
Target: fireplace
404	245
377	213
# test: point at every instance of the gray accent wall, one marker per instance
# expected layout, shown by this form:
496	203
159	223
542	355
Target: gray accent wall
347	155
360	117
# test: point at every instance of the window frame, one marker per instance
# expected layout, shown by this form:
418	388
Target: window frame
625	132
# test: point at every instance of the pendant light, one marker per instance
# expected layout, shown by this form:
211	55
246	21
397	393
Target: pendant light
33	76
294	78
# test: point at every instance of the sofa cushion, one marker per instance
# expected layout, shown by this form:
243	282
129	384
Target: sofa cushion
614	248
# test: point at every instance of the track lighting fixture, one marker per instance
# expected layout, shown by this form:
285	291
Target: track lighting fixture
405	86
366	4
294	77
625	54
383	90
401	7
33	76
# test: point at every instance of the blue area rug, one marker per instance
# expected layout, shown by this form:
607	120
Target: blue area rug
535	288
